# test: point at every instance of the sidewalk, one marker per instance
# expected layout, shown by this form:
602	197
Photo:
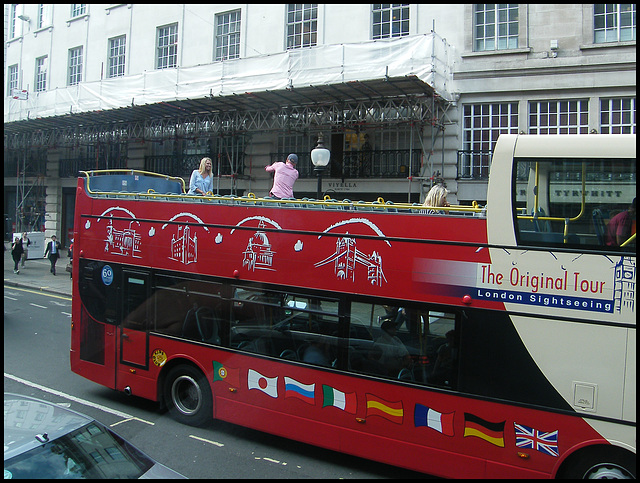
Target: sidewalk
35	274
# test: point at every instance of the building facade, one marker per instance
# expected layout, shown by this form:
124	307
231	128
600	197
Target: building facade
406	95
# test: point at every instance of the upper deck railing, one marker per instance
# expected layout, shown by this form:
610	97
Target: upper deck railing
144	185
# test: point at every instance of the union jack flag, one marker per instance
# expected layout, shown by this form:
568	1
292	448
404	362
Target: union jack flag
527	437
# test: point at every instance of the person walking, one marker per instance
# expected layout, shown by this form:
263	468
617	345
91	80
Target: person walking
53	249
16	253
25	247
285	176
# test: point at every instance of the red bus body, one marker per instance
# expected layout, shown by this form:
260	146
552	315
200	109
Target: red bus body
416	257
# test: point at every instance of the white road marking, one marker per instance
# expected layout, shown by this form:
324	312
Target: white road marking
65	313
271	460
39	306
76	399
215	443
10	298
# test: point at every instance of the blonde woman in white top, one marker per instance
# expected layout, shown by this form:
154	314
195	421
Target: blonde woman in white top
436	197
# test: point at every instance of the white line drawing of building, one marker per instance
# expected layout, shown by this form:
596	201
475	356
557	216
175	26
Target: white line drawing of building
184	248
624	283
122	242
258	254
347	257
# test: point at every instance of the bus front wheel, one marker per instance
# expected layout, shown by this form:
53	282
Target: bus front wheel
188	395
600	462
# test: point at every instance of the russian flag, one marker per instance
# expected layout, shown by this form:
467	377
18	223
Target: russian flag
441	422
304	392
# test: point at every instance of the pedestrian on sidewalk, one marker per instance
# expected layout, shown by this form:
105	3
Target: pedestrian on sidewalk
25	247
53	249
16	253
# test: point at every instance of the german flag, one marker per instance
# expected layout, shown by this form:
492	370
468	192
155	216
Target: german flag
392	411
478	427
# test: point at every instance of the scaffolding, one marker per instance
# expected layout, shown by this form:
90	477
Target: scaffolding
346	86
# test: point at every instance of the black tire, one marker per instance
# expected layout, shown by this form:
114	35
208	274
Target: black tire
601	463
187	395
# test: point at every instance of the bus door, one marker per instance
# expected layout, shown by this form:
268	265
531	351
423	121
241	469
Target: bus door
134	340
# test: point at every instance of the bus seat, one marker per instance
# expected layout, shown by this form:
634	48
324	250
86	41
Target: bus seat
207	324
189	326
598	224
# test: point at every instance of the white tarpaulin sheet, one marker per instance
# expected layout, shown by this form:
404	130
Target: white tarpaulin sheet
427	57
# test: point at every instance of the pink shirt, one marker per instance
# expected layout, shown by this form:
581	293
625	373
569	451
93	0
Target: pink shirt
285	176
618	226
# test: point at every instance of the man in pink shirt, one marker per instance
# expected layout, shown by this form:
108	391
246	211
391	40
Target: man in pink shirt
285	175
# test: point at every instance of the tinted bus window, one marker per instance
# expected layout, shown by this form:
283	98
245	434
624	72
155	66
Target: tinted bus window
408	342
192	309
289	326
98	290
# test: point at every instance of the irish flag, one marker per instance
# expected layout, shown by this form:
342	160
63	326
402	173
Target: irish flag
338	399
441	422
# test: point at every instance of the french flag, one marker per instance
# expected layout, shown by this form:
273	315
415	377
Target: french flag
441	422
304	392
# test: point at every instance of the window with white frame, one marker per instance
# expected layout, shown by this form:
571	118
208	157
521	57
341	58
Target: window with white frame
495	26
482	124
13	14
614	22
116	58
75	66
78	9
559	117
12	79
167	47
228	35
41	74
40	17
618	116
390	20
302	25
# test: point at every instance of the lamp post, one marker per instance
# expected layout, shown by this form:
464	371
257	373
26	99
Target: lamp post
320	158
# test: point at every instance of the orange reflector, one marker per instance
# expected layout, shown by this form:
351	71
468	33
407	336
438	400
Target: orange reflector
524	456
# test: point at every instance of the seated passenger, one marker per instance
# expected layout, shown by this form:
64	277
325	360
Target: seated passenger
443	370
437	196
395	355
619	227
317	353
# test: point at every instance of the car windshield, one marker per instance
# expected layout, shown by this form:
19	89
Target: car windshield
92	451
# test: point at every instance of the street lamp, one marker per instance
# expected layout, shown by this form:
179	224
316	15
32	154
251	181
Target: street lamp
320	158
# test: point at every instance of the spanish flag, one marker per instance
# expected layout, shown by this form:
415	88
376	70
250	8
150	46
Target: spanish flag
389	410
227	374
478	427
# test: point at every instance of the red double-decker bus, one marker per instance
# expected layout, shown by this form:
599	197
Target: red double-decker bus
494	341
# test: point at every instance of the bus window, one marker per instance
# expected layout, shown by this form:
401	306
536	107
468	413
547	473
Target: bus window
190	308
135	310
293	327
569	202
98	291
403	342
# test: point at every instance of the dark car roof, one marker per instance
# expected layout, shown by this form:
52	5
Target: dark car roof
26	419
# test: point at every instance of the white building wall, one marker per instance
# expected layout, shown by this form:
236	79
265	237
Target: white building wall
533	71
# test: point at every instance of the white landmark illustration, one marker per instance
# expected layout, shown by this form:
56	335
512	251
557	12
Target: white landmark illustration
347	256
